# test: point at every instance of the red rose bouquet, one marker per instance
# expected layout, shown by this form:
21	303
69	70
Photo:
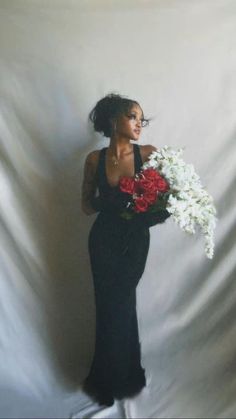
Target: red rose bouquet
146	192
167	186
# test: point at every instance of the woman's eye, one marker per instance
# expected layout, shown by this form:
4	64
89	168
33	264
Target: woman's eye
143	121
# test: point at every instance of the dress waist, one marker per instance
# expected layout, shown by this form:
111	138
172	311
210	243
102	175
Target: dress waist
113	216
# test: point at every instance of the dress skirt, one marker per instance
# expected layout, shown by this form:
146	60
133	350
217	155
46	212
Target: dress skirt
118	254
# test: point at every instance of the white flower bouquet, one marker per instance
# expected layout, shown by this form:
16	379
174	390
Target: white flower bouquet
186	199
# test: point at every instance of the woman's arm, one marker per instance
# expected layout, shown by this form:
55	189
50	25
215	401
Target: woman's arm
89	184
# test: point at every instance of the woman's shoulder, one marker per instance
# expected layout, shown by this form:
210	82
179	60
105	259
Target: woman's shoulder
92	158
146	150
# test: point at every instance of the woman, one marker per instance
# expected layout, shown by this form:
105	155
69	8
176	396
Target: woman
118	249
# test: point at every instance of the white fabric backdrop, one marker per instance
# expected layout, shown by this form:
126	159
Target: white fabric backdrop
178	59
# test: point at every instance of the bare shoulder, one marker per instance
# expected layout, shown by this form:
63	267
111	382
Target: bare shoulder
146	150
93	156
92	159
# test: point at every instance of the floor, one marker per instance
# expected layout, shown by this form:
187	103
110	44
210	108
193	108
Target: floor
91	410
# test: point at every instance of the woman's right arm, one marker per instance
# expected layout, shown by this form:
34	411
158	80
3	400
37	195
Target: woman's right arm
89	184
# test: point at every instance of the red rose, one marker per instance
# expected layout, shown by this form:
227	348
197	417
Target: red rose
154	176
127	184
151	174
141	204
150	197
162	185
146	185
138	187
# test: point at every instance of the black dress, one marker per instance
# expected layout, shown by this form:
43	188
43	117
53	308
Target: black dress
118	251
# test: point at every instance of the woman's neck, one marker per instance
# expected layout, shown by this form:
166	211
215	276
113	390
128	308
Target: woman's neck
120	147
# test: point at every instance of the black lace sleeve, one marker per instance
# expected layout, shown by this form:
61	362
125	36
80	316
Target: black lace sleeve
96	203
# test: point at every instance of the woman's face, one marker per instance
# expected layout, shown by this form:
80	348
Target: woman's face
130	125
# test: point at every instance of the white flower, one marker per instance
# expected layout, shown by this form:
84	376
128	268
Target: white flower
188	202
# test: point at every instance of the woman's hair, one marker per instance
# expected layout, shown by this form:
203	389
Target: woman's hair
108	108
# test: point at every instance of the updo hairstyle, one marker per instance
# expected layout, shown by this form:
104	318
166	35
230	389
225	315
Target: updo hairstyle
109	108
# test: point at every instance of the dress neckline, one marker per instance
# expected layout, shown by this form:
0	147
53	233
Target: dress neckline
105	170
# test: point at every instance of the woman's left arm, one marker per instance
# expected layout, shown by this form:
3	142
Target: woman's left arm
89	201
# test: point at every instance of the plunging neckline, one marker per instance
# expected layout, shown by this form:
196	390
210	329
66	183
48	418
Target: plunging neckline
105	169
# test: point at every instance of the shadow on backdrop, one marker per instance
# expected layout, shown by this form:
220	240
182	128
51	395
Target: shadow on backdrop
72	327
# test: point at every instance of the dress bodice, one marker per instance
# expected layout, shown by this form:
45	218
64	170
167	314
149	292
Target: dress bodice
101	168
112	201
111	197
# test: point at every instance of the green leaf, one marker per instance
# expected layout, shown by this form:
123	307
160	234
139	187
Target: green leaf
126	215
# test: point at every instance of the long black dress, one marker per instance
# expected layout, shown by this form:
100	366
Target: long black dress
118	251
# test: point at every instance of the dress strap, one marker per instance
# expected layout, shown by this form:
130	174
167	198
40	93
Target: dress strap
137	158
